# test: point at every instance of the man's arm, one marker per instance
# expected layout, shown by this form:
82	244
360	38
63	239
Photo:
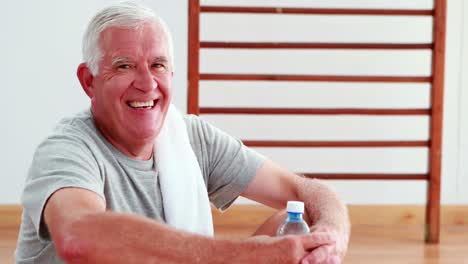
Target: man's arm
83	232
325	212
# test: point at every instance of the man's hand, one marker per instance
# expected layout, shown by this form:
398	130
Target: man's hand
274	186
328	253
291	248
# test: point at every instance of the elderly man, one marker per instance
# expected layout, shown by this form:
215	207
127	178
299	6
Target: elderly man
131	180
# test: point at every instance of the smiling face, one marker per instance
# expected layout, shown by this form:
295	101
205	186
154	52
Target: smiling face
131	93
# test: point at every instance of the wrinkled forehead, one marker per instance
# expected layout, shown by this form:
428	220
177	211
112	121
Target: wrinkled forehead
145	37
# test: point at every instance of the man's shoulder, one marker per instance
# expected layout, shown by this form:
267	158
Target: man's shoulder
194	123
77	122
198	130
190	118
74	129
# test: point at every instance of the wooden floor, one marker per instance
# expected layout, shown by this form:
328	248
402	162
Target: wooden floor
8	238
369	244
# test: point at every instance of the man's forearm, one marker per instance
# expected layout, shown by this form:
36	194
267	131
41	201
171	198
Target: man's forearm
323	206
123	238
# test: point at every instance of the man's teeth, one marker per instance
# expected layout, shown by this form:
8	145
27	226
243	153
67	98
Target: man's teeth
141	104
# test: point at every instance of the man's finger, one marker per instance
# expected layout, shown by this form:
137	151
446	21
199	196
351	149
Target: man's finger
314	240
320	255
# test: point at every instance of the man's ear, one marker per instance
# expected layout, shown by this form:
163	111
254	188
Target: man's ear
86	79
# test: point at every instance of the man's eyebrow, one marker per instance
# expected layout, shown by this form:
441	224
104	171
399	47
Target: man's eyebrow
120	60
160	59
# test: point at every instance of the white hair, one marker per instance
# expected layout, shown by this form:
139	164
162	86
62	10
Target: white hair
125	15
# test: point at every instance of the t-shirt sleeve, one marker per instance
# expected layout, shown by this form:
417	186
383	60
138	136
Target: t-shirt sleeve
227	164
60	161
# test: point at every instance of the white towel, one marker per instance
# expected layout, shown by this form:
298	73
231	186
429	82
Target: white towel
185	197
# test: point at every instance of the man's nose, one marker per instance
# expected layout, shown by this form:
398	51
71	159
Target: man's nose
144	80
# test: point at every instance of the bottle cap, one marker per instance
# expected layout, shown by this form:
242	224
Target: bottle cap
295	207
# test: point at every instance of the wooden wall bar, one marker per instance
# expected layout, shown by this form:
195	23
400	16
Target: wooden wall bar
437	97
314	11
435	111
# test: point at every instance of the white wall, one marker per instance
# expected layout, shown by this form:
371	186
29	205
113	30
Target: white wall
461	165
41	43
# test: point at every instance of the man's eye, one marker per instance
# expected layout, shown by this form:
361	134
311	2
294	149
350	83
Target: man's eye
159	66
124	66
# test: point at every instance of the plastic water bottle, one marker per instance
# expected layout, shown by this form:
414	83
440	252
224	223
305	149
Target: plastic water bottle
294	223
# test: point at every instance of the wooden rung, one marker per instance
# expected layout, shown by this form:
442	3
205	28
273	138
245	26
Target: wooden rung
296	45
312	111
314	78
271	143
356	176
314	11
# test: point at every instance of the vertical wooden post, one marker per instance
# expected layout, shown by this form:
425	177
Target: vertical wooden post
193	57
437	98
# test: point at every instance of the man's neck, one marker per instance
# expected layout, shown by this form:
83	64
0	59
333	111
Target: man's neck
134	151
140	150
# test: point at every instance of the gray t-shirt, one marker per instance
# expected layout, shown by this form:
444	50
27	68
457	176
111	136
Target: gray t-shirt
77	155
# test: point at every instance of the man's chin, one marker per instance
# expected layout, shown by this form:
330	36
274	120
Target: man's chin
145	131
146	135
